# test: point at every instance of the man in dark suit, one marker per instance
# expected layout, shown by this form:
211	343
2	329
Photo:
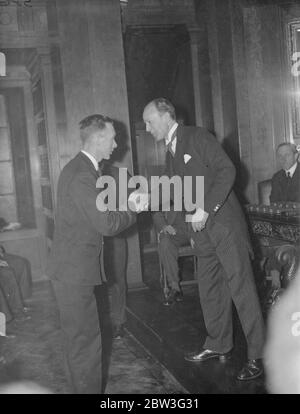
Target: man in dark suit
286	182
74	266
219	232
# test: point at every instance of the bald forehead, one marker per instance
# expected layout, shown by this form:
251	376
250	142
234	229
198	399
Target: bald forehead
285	149
150	109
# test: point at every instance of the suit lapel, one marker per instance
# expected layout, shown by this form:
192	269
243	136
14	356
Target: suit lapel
178	159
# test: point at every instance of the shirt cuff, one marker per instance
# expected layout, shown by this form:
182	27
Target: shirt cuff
199	215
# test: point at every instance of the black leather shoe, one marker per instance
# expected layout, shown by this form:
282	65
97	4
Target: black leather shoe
251	370
207	354
119	332
175	296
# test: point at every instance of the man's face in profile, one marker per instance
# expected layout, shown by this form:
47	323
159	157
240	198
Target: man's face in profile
105	141
286	157
156	123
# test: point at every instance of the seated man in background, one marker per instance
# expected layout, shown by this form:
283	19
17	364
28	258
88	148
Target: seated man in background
4	307
170	226
115	263
285	188
286	182
22	270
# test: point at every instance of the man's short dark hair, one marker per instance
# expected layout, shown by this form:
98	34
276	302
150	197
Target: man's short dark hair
163	105
93	123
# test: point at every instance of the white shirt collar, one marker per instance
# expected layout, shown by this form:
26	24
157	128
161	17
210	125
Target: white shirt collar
93	159
292	169
170	133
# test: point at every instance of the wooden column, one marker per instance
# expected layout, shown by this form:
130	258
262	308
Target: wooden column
53	145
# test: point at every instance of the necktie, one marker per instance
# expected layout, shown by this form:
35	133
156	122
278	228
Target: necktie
169	146
288	175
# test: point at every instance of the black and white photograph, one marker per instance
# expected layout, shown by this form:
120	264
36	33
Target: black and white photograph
149	199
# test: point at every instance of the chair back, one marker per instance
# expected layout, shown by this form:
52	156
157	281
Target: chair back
264	191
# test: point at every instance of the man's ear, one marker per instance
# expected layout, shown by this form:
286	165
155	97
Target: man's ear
166	116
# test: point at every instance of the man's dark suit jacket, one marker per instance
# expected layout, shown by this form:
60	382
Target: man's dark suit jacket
286	189
79	225
209	160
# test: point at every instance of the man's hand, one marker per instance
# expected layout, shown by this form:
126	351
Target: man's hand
3	263
138	202
198	220
168	229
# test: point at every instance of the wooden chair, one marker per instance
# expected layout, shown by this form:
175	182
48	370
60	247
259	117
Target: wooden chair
183	251
264	191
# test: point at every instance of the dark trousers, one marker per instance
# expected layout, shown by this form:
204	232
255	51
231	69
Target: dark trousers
115	261
11	290
225	275
82	337
22	269
168	253
4	307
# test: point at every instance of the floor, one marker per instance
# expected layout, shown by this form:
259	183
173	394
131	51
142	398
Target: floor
34	357
171	331
150	357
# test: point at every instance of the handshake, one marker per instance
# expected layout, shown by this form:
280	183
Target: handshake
138	201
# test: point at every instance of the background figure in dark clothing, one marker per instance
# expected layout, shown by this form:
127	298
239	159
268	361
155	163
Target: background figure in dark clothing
171	229
9	283
22	270
115	264
286	182
285	188
4	307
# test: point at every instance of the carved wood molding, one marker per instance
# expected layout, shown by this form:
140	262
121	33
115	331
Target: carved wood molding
286	232
141	13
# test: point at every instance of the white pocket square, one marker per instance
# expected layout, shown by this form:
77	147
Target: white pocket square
186	158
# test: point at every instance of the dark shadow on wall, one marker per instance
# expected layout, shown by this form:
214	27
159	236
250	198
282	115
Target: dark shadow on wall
230	145
122	142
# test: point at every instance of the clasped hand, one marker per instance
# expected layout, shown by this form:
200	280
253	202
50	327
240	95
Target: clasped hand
138	202
198	220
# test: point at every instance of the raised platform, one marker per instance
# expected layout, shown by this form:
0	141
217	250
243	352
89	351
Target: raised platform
169	332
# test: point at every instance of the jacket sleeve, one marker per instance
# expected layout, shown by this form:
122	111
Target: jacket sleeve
159	220
109	223
220	166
